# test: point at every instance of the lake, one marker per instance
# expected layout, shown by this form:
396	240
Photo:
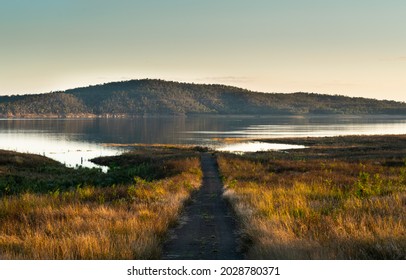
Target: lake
74	142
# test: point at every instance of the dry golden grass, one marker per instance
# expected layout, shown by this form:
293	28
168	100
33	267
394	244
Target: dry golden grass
318	209
116	222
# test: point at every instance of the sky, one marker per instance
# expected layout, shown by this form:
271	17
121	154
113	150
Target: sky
346	47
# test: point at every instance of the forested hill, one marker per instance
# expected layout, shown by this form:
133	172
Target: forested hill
153	97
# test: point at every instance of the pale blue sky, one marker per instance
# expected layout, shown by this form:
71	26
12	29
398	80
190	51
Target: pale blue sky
355	48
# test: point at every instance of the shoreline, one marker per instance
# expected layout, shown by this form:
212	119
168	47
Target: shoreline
90	116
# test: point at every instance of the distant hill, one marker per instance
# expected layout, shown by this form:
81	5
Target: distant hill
155	97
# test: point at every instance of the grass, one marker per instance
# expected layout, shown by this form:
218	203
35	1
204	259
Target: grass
127	219
323	203
341	198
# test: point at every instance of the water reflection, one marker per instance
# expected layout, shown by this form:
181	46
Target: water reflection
256	146
74	142
56	146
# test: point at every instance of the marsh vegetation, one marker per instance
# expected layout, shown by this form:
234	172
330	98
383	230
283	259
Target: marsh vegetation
342	198
339	198
53	212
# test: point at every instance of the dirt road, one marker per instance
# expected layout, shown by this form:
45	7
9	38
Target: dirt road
206	228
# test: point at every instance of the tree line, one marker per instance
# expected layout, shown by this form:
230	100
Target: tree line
140	97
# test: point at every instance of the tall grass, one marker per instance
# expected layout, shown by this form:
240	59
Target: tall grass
124	221
318	209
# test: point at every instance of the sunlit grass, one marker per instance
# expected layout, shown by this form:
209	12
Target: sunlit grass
124	221
318	209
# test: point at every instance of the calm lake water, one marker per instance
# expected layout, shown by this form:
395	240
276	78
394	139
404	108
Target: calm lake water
74	142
